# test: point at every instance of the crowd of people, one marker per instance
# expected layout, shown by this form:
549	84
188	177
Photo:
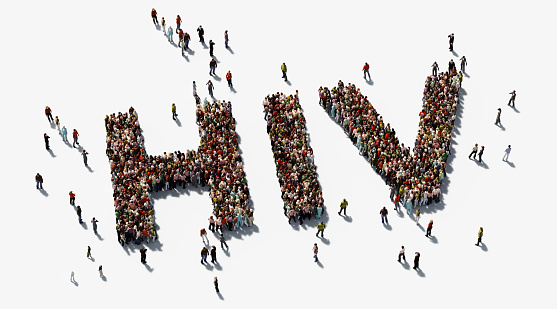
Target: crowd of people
135	174
296	170
414	176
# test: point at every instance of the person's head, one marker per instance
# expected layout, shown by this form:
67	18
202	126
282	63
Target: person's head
499	109
509	146
431	221
402	247
194	82
94	218
481	228
476	144
315	244
173	104
366	63
177	15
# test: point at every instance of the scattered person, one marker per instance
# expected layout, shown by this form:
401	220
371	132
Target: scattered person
211	224
226	39
143	252
72	198
64	134
222	241
163	24
57	122
384	214
366	70
201	32
46	143
452	67
474	152
48	113
154	16
78	211
284	69
401	254
213	254
212	67
203	234
211	47
101	271
39	180
204	253
84	153
463	64
513	96
94	222
229	79
451	41
178	22
72	279
416	260
75	137
343	206
417	216
194	89
315	250
480	154
210	87
89	252
320	229
480	235
174	114
429	228
507	153
498	119
170	33
216	283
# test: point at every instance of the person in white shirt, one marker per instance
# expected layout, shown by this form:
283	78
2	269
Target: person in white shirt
401	254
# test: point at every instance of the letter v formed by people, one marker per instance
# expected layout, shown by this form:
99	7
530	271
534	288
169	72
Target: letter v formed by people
414	174
217	162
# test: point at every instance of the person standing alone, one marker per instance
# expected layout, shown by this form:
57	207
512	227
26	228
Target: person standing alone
201	32
343	206
75	137
174	115
451	41
498	119
72	198
216	283
507	153
46	143
474	152
416	260
229	79
210	87
143	252
366	70
463	64
320	229
429	228
84	153
401	254
154	16
480	235
284	69
39	180
94	222
511	100
383	212
315	250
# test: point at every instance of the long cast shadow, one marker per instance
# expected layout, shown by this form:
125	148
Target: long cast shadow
43	192
51	153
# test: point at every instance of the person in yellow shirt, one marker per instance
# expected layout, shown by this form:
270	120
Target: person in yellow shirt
480	235
343	205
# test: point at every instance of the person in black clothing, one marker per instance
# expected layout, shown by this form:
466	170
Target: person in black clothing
213	254
452	66
498	119
216	282
513	96
84	153
481	154
210	87
201	32
154	16
451	41
463	64
143	252
434	69
46	143
416	260
211	47
222	241
474	152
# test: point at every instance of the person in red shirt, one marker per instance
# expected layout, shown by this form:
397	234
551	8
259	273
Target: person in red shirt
178	22
72	198
154	16
75	136
48	113
429	227
366	70
229	79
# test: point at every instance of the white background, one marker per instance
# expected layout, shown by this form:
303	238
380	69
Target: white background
86	60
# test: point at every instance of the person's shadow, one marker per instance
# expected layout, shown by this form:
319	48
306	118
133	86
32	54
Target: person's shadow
482	164
75	283
454	53
511	164
319	264
347	218
89	168
288	83
178	122
43	192
103	277
51	153
420	272
232	89
388	227
190	51
230	50
484	247
186	57
325	241
369	81
516	110
433	239
216	77
149	268
220	296
421	227
500	125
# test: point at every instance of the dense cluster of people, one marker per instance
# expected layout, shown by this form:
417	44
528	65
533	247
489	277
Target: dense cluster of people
296	170
414	177
135	174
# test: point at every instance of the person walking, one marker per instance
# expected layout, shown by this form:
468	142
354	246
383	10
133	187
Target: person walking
210	87
315	250
451	41
226	39
84	154
418	216
78	211
211	47
101	271
201	32
39	180
174	114
94	222
143	252
64	134
212	67
429	228
46	143
474	152
89	252
463	64
72	198
187	39
320	229
480	154
163	24
213	254
366	71
222	241
284	69
203	234
511	100
72	279
211	224
170	34
75	137
507	153
229	79
57	122
480	235
194	89
204	253
178	22
498	118
154	16
216	283
408	205
48	113
343	206
383	212
416	261
434	69
401	254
